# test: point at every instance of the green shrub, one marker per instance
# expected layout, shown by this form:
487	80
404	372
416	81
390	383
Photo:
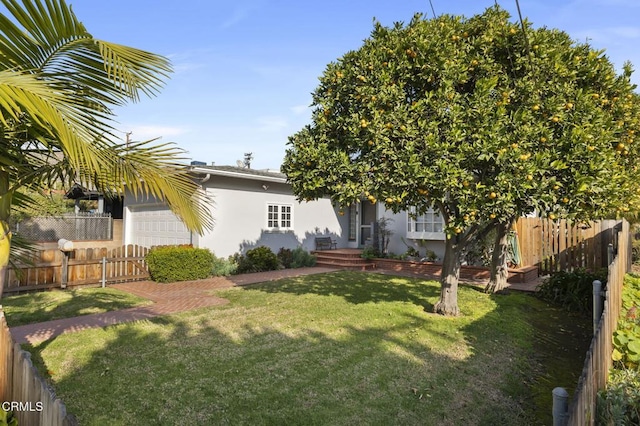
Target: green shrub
619	404
300	258
256	260
573	290
635	251
285	257
369	252
626	339
7	418
243	265
179	263
223	267
431	256
412	252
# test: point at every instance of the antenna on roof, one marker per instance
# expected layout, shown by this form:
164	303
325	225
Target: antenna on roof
240	163
248	156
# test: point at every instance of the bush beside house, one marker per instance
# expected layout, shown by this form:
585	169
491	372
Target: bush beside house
223	267
183	263
179	263
261	259
258	259
302	258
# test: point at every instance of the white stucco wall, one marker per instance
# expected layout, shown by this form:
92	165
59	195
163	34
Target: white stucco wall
239	210
240	214
399	226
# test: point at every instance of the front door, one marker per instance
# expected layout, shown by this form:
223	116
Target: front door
367	217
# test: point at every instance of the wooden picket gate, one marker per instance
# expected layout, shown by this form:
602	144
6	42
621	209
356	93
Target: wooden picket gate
84	266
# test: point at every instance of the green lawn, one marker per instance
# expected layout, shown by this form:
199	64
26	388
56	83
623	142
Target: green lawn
345	348
51	305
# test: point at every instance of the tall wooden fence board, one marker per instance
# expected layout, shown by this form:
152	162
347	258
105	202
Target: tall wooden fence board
563	245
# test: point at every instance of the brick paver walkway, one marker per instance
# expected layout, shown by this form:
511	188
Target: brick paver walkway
167	298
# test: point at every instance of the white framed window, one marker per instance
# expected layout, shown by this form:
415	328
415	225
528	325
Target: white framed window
427	226
279	216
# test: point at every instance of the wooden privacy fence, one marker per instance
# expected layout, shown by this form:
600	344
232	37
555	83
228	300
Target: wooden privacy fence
83	266
23	391
598	362
562	245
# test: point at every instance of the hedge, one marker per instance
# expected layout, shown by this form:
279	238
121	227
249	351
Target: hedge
179	263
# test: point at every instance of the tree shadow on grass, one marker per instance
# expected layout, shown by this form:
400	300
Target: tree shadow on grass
358	288
20	309
244	365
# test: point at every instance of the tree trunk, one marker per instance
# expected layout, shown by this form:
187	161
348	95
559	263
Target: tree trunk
448	304
499	266
5	234
3	269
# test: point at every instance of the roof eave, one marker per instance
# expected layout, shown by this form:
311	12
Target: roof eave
226	173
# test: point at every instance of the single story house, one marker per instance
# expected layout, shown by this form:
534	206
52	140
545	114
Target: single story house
257	207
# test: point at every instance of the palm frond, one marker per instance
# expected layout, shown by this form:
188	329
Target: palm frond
21	254
149	170
51	42
57	87
24	94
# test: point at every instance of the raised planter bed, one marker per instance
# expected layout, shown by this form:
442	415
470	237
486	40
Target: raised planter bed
516	275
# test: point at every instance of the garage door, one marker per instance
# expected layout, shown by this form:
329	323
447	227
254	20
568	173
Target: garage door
157	226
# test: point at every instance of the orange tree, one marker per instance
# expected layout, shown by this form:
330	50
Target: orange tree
479	118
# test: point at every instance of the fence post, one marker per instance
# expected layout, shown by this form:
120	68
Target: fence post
560	406
66	247
104	271
597	304
64	274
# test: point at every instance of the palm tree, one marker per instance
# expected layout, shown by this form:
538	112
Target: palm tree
57	87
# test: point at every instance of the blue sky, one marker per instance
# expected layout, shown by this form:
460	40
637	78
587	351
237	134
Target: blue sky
245	69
